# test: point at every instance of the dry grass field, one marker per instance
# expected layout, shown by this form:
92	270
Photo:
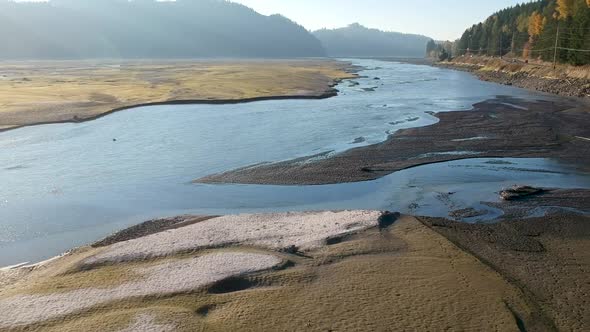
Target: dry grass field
536	68
61	91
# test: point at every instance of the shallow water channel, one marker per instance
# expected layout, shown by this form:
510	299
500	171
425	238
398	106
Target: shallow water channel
66	185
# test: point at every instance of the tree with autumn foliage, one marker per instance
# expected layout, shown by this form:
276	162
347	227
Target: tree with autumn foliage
536	24
565	8
531	29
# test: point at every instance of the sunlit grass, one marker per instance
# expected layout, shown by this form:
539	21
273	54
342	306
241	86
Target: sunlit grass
38	92
534	67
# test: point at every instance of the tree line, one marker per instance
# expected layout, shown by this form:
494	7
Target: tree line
546	29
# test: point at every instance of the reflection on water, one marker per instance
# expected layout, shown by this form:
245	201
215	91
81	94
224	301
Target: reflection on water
69	184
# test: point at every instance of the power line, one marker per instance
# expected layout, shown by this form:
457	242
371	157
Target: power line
559	36
575	29
572	49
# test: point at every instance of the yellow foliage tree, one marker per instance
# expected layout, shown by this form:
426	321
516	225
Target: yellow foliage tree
536	24
565	8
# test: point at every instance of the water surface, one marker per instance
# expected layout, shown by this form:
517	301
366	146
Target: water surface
66	185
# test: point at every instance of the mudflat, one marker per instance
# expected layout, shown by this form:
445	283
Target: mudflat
547	258
500	127
72	91
348	270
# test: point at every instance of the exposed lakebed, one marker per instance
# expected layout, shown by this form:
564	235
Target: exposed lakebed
66	185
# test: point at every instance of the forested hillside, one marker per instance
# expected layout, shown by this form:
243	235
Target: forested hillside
74	29
545	29
357	40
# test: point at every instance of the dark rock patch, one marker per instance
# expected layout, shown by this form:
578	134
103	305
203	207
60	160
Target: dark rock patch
387	219
205	310
520	192
359	140
231	285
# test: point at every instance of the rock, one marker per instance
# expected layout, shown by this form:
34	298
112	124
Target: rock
519	192
292	249
358	140
466	213
387	219
413	206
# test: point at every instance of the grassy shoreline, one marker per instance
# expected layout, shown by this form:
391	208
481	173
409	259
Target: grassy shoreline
35	93
563	80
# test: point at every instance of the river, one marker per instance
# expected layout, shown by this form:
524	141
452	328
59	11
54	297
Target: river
66	185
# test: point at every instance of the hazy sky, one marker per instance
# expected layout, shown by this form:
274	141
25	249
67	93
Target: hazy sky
435	18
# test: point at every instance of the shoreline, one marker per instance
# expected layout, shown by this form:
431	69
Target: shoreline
546	129
103	90
328	94
521	273
373	172
531	76
505	251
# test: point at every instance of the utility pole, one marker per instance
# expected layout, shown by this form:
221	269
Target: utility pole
556	44
501	44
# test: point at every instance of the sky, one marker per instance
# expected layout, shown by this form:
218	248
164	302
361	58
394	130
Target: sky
441	20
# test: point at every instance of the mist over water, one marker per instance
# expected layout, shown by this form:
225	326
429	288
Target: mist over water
66	185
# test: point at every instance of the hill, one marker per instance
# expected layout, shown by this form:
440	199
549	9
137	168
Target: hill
78	29
541	29
357	40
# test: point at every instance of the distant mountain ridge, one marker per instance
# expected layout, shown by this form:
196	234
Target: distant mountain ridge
358	41
78	29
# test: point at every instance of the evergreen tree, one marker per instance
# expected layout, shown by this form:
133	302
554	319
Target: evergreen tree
531	30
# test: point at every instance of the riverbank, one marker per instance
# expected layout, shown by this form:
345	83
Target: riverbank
34	93
545	257
564	80
343	270
501	127
268	272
